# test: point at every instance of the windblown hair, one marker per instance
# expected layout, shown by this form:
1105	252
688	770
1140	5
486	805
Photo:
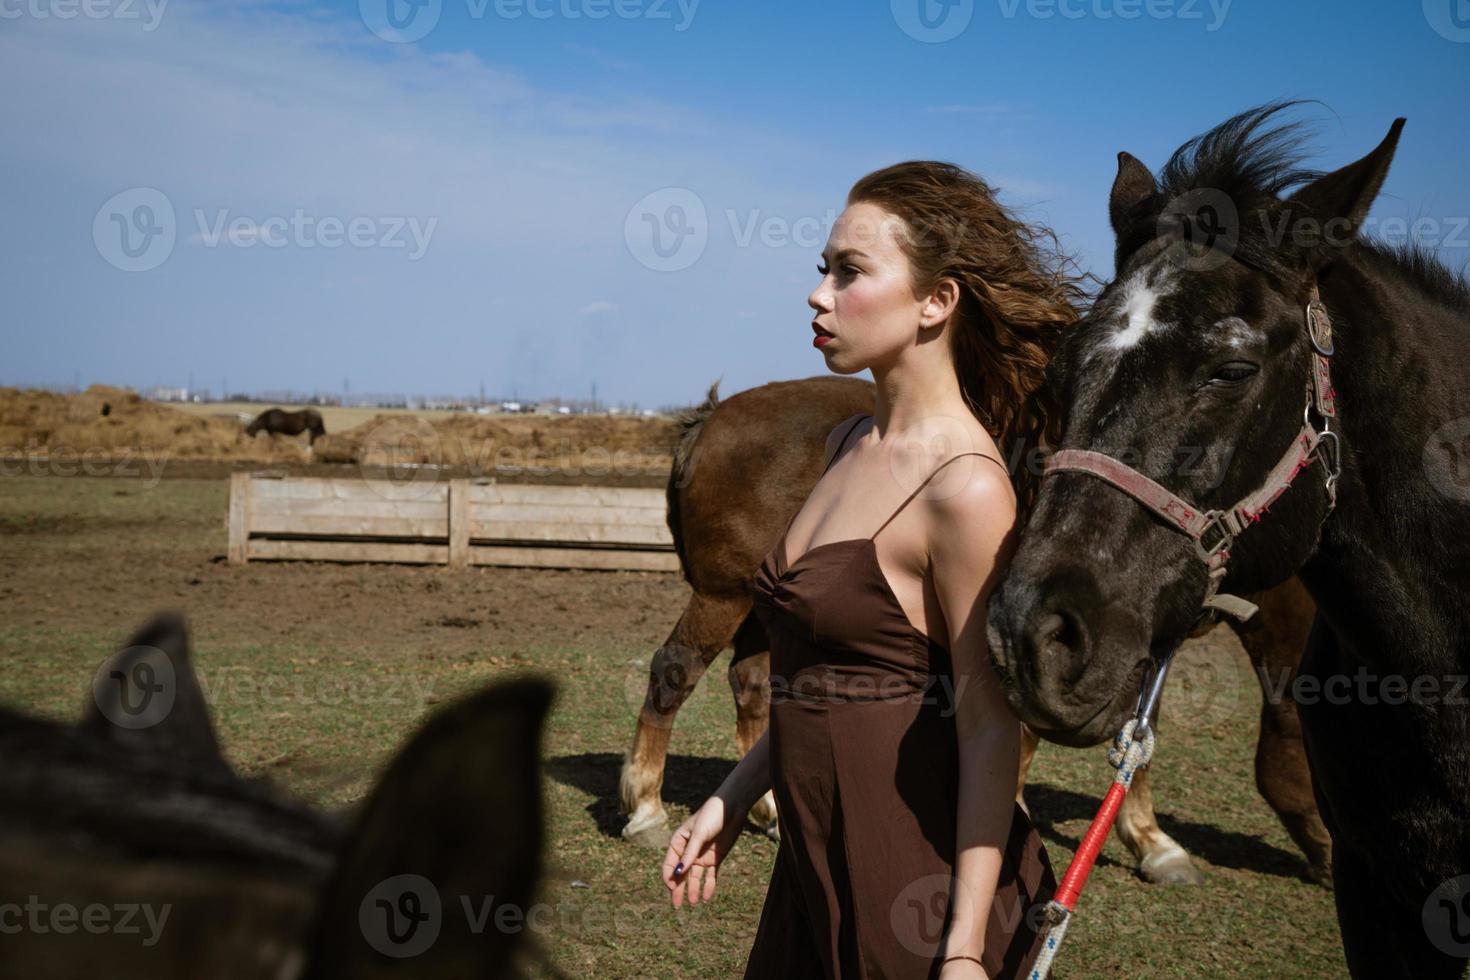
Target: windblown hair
1018	294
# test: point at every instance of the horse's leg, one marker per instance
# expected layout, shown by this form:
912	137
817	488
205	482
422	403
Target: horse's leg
706	627
1275	639
750	682
1161	859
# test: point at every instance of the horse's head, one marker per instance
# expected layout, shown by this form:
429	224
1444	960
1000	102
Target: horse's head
1194	369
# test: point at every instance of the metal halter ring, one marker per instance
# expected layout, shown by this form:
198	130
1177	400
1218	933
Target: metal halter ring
1213	519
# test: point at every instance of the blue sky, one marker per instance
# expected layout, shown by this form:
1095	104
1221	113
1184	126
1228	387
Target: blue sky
464	201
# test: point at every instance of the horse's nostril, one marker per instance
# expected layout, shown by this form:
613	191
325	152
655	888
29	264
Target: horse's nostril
1058	632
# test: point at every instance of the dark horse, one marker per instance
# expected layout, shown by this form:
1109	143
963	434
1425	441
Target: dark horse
1244	324
742	468
278	420
135	807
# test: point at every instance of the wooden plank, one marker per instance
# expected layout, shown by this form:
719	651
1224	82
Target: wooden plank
527	493
459	523
357	488
239	518
570	513
385	509
589	533
348	551
605	558
351	525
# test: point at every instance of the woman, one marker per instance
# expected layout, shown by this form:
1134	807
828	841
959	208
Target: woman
891	751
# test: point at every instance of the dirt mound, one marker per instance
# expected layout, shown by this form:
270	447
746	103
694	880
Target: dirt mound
108	422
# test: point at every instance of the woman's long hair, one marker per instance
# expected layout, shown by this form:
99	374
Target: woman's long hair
1018	293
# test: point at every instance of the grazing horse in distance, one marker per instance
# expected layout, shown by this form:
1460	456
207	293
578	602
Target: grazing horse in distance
135	809
742	468
279	421
1331	374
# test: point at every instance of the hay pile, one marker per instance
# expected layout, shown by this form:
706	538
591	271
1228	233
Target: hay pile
107	421
35	422
575	443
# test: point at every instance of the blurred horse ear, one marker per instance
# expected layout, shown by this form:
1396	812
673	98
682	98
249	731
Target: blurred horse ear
147	698
1336	204
439	874
1134	184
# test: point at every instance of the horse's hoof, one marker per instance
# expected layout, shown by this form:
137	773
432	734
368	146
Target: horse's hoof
1322	875
651	832
1171	866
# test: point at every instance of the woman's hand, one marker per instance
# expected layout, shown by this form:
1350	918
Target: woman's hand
697	848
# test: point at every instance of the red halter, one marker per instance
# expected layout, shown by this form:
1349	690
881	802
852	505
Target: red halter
1213	531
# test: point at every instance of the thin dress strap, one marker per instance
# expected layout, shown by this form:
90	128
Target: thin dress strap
927	479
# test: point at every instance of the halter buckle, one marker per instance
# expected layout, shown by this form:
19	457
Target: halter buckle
1319	328
1214	520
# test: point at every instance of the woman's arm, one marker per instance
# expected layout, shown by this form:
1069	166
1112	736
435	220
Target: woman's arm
749	780
971	544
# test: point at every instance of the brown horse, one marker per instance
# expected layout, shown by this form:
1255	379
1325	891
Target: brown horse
742	468
135	815
277	420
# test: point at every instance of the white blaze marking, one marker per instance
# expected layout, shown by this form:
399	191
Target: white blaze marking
1138	308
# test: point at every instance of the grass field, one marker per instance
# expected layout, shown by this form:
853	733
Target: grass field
316	672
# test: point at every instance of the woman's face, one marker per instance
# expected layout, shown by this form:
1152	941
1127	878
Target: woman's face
865	299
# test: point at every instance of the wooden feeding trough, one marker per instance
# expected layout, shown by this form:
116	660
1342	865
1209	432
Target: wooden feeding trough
458	522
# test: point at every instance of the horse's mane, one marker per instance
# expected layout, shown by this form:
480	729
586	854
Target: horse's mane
1424	269
1254	158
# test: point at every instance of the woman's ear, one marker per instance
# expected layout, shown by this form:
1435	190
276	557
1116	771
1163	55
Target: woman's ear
940	303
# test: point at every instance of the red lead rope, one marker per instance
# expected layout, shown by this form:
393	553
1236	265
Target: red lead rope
1132	749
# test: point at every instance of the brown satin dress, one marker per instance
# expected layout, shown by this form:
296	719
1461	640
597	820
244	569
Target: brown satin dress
865	771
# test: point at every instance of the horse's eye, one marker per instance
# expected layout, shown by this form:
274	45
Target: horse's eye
1233	373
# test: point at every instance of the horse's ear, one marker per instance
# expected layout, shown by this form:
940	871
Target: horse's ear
1133	185
147	697
1338	202
439	874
